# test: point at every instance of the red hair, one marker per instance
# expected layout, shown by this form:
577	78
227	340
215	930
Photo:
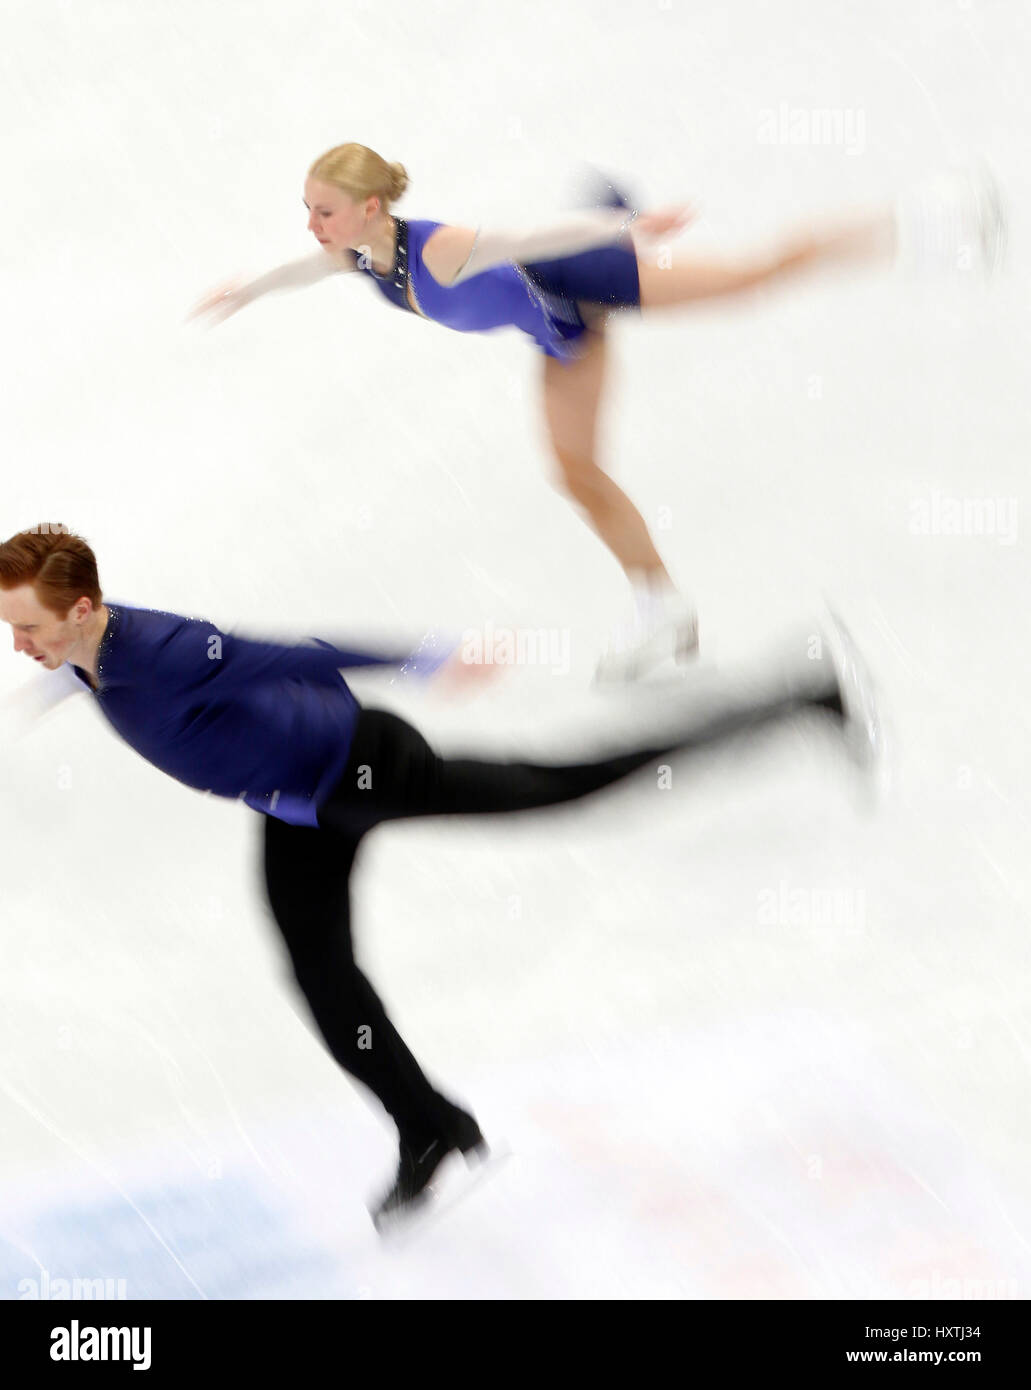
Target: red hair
60	566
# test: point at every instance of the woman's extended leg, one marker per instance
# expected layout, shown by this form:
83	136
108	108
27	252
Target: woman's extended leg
951	222
868	239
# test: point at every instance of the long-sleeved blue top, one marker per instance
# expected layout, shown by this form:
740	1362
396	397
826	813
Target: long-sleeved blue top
245	719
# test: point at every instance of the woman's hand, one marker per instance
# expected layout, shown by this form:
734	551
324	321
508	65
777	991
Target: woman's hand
222	303
671	219
457	676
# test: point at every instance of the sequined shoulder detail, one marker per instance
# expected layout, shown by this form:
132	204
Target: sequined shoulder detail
394	286
103	651
401	255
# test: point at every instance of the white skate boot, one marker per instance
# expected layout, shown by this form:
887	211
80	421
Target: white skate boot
664	629
953	223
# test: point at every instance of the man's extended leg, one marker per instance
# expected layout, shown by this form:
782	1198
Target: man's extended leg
393	773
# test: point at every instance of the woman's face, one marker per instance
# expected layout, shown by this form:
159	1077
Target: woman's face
334	219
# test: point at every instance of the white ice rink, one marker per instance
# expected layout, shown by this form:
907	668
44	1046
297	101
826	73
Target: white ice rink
745	1039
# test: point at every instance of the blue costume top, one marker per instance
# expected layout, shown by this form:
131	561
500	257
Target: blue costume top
266	723
540	298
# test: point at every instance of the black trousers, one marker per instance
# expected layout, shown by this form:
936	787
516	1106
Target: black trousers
392	774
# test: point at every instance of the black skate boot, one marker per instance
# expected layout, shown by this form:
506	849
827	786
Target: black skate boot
419	1162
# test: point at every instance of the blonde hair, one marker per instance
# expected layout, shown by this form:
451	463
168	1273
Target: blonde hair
361	173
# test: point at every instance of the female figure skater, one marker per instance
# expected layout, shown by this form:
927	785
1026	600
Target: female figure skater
559	284
276	727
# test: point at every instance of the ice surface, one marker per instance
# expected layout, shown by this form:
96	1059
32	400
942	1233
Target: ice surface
744	1039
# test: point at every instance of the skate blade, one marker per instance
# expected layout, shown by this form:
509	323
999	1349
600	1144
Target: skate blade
867	742
994	222
457	1178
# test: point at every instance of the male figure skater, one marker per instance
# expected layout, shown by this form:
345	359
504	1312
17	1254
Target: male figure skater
277	727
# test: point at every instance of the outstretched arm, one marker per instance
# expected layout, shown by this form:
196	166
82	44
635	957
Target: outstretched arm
309	270
454	254
200	656
23	707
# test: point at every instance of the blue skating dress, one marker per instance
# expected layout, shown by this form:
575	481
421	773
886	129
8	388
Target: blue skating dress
540	298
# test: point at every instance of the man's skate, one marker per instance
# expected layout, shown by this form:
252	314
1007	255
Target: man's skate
863	727
420	1165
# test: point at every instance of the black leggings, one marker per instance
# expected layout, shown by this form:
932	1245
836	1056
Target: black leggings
393	773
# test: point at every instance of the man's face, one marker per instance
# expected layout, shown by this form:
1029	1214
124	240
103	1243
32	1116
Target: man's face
39	632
